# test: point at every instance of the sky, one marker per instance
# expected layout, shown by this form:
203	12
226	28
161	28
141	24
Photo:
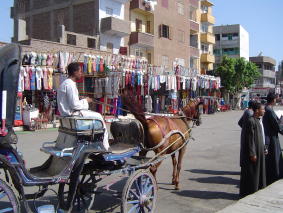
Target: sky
263	19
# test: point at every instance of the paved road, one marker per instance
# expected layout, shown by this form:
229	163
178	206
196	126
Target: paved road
210	173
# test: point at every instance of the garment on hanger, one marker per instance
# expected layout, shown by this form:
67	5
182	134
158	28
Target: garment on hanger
21	82
39	77
50	78
32	78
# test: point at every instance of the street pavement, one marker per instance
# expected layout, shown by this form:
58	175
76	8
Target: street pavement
209	179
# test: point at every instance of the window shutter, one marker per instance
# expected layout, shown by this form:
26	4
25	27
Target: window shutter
160	30
170	33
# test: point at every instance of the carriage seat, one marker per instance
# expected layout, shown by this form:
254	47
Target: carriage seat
70	130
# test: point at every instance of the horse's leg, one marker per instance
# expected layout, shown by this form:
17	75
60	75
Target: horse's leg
153	169
179	166
174	162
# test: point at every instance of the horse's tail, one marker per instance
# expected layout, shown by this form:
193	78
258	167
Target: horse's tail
136	109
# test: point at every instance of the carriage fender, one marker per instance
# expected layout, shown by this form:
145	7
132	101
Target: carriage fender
6	165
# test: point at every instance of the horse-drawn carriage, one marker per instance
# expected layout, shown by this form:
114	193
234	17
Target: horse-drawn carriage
77	159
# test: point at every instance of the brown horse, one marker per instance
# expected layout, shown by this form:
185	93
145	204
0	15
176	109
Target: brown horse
157	127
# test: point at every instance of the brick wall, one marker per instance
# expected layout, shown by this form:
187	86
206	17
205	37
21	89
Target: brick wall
37	4
22	5
60	1
84	18
172	48
41	26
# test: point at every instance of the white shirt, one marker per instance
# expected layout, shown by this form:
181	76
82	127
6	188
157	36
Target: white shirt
68	98
262	129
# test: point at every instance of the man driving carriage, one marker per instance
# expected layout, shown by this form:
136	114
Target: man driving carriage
69	103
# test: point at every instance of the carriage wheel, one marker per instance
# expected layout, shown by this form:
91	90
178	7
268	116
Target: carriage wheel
84	197
8	199
140	193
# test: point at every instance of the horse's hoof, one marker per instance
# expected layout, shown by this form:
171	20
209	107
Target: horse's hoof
177	188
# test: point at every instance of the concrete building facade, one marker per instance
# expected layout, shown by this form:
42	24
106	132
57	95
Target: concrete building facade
231	40
166	32
42	19
266	66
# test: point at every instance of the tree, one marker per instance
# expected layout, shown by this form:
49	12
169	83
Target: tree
236	74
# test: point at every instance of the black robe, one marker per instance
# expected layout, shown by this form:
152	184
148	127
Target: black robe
274	161
252	174
246	115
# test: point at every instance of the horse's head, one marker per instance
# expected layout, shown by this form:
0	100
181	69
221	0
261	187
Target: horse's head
192	112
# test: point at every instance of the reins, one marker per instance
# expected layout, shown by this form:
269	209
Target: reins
145	113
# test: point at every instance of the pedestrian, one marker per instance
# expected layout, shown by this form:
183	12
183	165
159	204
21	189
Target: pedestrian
252	160
272	126
247	113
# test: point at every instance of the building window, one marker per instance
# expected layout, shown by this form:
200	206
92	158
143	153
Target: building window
138	52
123	50
217	52
204	9
231	51
180	8
193	14
71	39
149	58
230	36
164	60
164	3
194	41
164	31
204	48
181	36
217	37
193	62
109	47
138	25
204	28
109	11
91	43
148	27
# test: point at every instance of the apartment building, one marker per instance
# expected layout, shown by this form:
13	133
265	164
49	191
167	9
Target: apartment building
166	32
101	20
207	38
231	40
279	74
266	66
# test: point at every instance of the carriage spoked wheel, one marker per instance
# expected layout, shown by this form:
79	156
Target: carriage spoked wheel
8	199
84	194
139	193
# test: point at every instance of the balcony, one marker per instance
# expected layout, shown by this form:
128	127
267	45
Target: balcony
194	3
268	73
208	38
115	27
207	58
142	39
194	52
194	26
206	17
206	3
142	7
